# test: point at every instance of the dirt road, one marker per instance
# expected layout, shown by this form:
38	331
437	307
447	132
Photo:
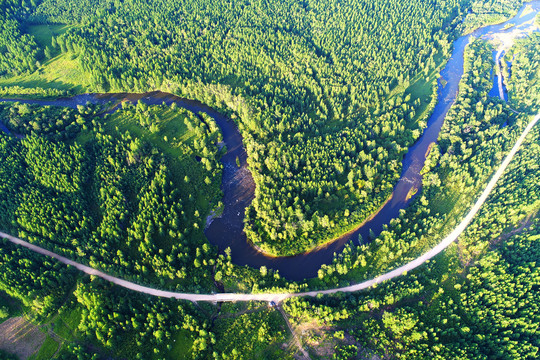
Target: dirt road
221	297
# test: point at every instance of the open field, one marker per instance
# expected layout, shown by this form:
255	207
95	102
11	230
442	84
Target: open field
61	72
19	336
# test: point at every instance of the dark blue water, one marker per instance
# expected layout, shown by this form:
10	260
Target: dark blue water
495	91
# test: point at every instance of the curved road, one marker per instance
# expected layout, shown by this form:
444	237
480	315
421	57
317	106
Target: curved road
281	296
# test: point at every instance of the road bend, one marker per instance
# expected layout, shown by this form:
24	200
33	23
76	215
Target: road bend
278	297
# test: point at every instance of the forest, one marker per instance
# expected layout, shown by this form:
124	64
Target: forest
114	191
17	50
328	96
308	91
478	300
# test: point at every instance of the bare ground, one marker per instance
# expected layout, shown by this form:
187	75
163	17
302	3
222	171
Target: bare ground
20	337
303	355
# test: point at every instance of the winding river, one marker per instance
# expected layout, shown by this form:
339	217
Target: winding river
238	186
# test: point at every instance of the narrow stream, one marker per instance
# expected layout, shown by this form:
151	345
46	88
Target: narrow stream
498	79
238	185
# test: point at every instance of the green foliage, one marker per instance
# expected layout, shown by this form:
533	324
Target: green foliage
17	50
57	123
77	352
329	95
524	82
347	352
477	132
114	201
7	356
129	324
479	299
250	336
64	11
36	92
485	12
4	312
309	91
117	202
40	283
55	166
47	350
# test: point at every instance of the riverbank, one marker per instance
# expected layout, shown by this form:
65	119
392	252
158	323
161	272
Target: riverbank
278	297
238	185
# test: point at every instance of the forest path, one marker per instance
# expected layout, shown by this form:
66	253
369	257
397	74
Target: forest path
278	297
295	339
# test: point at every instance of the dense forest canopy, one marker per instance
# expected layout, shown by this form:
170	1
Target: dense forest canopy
329	96
308	82
479	299
18	51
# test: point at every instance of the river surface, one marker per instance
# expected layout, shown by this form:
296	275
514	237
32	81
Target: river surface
498	85
238	186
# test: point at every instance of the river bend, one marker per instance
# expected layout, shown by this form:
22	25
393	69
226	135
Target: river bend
238	186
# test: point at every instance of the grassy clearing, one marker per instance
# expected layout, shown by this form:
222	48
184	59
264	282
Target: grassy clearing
179	347
170	138
233	307
43	33
47	350
175	140
61	72
67	322
422	88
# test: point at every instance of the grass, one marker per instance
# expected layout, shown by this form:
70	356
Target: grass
13	305
233	307
422	88
172	133
67	322
65	325
47	350
62	72
181	344
43	33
